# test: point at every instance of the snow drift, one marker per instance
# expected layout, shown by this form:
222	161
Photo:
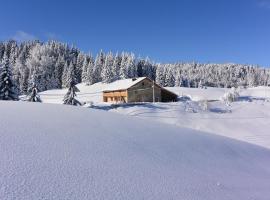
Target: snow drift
64	152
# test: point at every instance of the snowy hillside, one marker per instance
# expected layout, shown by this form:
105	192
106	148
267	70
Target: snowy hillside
64	152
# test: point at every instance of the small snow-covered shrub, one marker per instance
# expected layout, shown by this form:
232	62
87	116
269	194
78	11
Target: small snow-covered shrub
203	104
89	104
184	98
230	96
191	106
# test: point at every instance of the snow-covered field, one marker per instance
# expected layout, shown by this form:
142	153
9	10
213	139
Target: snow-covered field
64	152
247	120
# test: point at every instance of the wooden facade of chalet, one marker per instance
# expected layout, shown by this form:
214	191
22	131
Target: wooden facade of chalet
138	90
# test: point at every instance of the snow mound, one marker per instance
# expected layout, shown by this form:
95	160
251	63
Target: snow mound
64	152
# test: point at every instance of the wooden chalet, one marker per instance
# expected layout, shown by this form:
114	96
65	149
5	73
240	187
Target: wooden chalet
133	90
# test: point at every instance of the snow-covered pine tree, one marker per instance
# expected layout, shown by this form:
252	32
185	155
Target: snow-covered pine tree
90	71
116	67
200	85
160	78
21	71
85	69
71	74
58	71
69	98
169	77
33	96
78	67
106	73
123	74
42	65
7	90
65	76
2	50
13	53
99	64
139	67
178	78
131	66
149	70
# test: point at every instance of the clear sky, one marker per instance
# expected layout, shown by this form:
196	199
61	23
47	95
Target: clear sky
165	30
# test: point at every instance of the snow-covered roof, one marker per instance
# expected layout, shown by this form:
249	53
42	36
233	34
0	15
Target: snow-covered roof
123	84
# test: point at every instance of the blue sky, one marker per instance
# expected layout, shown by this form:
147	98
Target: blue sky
165	30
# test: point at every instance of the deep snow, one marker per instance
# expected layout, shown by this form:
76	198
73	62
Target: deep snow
64	152
247	119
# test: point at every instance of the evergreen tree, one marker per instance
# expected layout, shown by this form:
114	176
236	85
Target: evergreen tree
99	64
34	97
69	98
59	67
85	69
123	73
140	68
72	89
65	76
131	66
7	91
42	65
88	70
106	73
79	67
160	75
2	50
90	79
21	71
149	70
71	75
116	67
169	77
178	78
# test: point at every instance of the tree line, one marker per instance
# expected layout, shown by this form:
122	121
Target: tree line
51	65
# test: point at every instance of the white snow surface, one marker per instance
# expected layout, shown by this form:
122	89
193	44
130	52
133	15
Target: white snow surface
247	119
63	152
197	94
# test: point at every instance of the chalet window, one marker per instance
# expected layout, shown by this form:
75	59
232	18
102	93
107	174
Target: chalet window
142	83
